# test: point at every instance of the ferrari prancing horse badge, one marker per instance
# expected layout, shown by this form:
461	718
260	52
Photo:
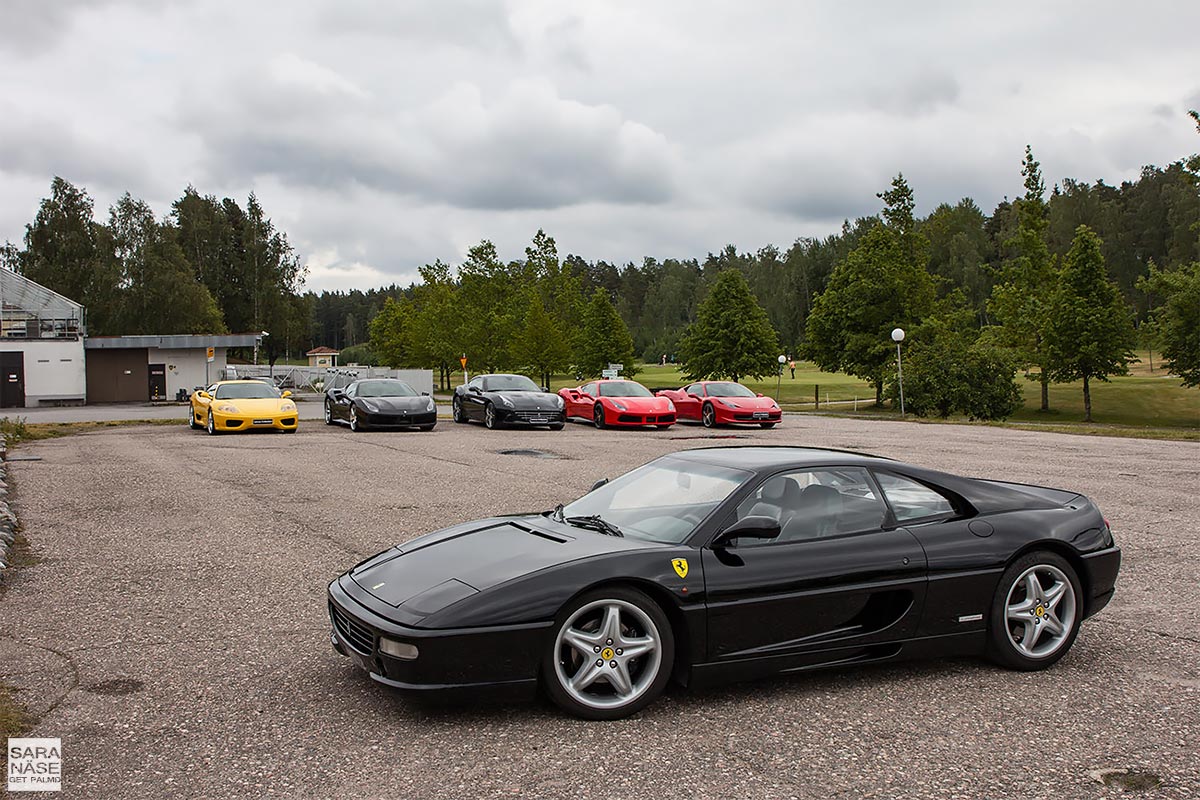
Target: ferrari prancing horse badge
680	565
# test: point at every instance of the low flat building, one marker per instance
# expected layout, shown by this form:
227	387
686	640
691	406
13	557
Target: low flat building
41	345
130	369
323	357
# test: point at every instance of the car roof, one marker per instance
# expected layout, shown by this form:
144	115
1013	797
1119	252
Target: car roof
757	457
241	380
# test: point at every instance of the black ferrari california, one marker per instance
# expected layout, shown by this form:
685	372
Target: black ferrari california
498	400
723	564
380	403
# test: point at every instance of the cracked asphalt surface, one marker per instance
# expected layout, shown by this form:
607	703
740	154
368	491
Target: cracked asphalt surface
174	633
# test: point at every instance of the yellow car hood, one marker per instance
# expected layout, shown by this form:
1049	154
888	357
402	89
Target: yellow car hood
265	406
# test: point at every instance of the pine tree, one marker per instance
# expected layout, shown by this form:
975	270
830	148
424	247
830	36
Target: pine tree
604	339
732	336
1090	333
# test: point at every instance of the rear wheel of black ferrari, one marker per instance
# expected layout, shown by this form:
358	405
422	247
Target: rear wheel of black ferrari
611	655
1036	612
598	415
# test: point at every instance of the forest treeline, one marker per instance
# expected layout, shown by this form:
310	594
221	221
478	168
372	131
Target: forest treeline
213	265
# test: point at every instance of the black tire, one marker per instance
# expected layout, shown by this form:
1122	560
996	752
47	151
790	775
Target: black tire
598	415
1002	647
767	424
663	427
559	659
456	411
556	426
708	416
489	417
212	424
192	424
328	412
355	425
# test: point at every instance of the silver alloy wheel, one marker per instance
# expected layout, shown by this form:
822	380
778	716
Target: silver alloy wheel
212	424
456	411
489	416
328	414
708	415
354	419
1040	611
607	654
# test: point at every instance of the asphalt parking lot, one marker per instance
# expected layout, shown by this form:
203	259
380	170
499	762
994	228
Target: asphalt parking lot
174	633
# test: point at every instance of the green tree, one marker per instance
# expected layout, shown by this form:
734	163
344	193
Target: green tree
488	297
732	336
1177	320
604	339
877	288
542	347
1022	297
390	333
436	332
1090	334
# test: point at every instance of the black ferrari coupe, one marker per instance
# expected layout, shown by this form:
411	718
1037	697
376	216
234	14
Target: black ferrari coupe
380	403
500	399
722	564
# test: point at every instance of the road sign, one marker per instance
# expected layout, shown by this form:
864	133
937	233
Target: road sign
609	374
463	361
212	354
616	368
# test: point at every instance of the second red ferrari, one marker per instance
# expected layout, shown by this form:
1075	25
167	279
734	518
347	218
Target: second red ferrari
723	403
623	403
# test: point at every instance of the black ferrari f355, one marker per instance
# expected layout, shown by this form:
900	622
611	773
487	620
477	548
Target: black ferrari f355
723	564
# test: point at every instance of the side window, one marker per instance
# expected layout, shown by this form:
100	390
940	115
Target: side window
817	503
352	390
696	390
590	389
476	383
911	500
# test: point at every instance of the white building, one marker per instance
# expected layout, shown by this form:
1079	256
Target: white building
131	369
41	345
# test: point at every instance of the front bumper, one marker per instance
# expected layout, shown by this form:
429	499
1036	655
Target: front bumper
244	422
397	419
638	420
500	659
518	416
747	416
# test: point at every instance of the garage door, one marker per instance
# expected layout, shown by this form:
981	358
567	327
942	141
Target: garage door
117	376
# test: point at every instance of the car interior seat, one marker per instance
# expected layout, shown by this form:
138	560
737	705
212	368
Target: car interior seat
813	514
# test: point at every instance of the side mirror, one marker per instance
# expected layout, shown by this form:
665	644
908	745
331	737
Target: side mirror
753	527
203	395
760	394
598	484
475	390
286	393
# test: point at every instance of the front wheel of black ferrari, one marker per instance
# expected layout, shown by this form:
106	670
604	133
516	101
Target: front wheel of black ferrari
1036	612
611	655
489	417
355	424
328	413
456	411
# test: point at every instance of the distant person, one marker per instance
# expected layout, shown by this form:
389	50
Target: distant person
663	363
792	367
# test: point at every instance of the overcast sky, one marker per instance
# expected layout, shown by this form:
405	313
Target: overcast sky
381	136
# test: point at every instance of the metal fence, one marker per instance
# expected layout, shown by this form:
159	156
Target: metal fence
315	379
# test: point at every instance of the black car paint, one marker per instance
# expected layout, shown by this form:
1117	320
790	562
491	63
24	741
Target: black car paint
389	412
474	403
742	611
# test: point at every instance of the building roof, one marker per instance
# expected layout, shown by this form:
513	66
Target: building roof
17	291
173	342
322	351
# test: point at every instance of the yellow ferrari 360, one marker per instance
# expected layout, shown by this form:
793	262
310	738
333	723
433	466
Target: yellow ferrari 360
242	406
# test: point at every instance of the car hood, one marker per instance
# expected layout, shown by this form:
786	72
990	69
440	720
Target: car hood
397	403
750	403
643	404
528	401
266	405
434	571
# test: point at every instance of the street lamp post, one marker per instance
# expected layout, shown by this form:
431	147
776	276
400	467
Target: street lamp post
898	337
779	379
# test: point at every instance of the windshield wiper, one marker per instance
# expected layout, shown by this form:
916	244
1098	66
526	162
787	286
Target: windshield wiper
557	513
594	522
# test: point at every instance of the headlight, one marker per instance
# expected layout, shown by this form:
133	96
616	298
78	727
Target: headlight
558	401
670	405
401	650
227	408
369	406
288	406
618	405
506	401
730	403
431	406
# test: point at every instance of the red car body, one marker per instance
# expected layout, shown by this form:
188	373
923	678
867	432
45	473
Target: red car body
607	403
717	403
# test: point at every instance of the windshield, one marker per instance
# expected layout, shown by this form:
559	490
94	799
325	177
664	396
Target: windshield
725	389
623	389
509	383
665	500
252	390
384	389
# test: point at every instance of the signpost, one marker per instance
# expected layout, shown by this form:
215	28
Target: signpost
613	372
463	361
212	356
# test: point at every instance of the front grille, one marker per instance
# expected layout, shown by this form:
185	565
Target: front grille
358	636
525	416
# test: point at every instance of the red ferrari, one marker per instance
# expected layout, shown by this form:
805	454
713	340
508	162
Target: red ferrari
618	402
723	403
